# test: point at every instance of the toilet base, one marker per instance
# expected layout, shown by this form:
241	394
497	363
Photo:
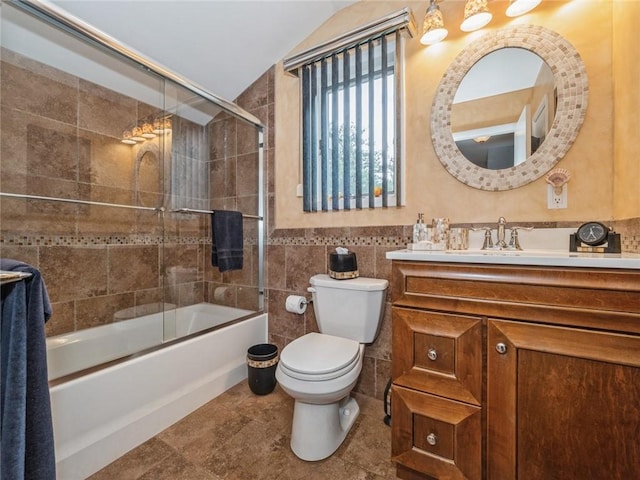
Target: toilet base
318	430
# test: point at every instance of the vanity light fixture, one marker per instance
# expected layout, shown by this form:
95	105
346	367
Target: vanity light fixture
126	138
476	15
136	134
162	125
520	7
433	30
482	138
147	131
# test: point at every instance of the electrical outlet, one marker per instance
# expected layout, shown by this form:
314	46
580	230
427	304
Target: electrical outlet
299	190
554	200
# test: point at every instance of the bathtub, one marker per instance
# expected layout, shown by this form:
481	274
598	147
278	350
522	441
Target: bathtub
100	416
135	329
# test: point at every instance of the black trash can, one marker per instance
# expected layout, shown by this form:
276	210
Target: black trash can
262	361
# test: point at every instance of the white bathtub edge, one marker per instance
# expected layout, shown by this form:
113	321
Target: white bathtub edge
92	458
85	454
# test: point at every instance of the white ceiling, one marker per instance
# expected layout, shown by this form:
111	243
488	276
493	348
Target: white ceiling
223	45
501	71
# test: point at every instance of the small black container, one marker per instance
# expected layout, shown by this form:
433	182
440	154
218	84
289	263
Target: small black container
343	266
262	361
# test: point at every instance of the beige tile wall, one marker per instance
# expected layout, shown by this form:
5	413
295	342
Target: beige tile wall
56	141
294	255
61	138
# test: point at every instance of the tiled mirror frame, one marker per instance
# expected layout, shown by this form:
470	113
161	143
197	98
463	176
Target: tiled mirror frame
570	77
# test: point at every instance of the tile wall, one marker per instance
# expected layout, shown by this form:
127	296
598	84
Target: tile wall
294	255
61	138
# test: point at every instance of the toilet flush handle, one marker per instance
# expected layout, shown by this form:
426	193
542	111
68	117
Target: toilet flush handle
311	290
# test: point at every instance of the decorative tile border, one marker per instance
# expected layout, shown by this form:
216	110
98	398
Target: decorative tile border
368	241
631	243
629	230
88	240
389	236
570	77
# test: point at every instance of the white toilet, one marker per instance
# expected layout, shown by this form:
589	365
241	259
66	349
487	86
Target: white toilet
319	370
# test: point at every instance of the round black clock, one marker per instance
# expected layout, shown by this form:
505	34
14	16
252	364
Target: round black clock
592	233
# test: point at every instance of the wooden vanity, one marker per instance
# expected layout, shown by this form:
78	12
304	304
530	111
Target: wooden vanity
515	369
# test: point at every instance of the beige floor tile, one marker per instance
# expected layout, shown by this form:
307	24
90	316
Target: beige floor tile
255	452
369	445
233	396
275	410
202	432
176	467
135	463
242	436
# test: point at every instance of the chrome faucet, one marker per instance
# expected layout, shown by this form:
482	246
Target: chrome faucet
501	244
488	240
514	243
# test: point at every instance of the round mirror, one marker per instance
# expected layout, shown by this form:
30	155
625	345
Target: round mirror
509	107
503	108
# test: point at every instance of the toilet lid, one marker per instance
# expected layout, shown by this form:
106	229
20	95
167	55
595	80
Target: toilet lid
319	354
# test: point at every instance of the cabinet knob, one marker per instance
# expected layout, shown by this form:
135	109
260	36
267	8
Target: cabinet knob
501	348
432	354
432	439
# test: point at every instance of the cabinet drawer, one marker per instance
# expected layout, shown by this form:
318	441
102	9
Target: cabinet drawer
438	353
436	436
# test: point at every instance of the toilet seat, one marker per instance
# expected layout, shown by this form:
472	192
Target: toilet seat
318	357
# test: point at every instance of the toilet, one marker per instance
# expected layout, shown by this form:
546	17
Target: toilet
319	370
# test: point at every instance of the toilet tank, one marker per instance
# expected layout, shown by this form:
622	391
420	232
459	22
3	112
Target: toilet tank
349	308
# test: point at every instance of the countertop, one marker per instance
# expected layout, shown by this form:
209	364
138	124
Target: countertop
554	258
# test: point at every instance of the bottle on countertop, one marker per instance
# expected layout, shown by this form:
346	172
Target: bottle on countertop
419	229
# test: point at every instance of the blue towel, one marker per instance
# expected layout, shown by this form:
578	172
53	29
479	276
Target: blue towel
26	430
226	231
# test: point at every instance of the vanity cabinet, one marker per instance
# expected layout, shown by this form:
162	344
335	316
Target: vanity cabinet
505	372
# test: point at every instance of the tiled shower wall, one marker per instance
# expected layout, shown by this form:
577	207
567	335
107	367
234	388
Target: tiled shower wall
233	185
294	255
61	138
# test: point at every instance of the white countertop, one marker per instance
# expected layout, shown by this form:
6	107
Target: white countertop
554	258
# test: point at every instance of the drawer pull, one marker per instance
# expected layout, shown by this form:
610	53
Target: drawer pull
432	354
432	439
501	348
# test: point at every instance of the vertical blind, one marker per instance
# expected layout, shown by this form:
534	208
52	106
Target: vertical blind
349	105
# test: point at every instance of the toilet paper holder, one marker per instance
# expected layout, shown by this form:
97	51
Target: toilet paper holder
297	304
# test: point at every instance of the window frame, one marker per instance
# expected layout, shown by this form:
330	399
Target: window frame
402	24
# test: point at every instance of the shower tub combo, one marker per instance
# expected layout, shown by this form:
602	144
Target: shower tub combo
116	385
101	415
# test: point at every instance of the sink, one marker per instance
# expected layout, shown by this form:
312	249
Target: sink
512	253
544	257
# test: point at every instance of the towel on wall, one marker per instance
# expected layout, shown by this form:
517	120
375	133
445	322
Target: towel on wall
227	241
26	430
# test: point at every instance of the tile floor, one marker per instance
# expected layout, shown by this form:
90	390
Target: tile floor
242	436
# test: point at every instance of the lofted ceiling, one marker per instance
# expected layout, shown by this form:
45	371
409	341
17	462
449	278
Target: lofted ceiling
223	45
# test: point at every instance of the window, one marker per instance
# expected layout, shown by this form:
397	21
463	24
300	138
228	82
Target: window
350	123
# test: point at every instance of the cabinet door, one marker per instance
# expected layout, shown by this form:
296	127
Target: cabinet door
562	403
436	436
438	353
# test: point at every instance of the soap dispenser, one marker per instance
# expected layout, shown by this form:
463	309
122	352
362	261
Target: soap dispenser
419	229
